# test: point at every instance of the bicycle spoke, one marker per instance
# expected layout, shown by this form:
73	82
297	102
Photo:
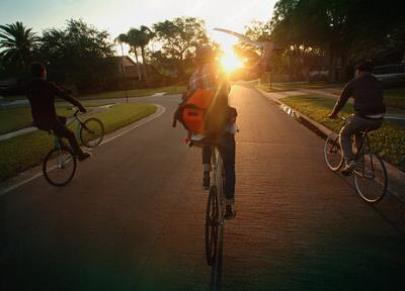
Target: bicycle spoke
371	179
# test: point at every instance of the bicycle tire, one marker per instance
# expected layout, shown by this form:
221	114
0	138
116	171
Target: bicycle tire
332	153
211	226
67	158
378	181
92	132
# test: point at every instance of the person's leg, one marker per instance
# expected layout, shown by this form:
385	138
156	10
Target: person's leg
227	149
355	126
62	131
345	138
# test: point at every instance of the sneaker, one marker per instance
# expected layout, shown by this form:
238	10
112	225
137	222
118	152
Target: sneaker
230	210
206	180
83	156
348	167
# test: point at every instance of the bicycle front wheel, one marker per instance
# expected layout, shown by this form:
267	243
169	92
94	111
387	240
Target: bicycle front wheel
370	178
332	153
211	226
59	166
92	132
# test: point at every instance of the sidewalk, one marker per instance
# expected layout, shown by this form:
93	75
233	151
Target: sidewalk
398	118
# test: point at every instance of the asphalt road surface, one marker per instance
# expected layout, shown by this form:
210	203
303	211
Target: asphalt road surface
133	217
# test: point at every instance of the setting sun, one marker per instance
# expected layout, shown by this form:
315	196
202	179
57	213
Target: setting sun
230	61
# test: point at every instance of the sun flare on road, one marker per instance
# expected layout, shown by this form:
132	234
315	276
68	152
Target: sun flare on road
230	62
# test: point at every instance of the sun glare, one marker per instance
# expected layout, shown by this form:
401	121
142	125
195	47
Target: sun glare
230	62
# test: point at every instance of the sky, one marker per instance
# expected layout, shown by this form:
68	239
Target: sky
118	16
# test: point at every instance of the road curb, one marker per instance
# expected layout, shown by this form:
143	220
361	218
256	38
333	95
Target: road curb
396	177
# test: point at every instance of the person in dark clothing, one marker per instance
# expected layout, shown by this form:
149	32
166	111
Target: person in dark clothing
41	95
368	106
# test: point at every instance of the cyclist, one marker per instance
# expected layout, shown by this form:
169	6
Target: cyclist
41	95
219	121
369	110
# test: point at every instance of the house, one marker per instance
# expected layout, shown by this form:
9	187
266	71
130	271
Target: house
127	67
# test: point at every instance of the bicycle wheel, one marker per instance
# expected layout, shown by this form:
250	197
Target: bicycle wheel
332	153
59	166
370	178
92	132
211	226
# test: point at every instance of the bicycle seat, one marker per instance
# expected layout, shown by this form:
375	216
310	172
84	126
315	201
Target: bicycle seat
201	140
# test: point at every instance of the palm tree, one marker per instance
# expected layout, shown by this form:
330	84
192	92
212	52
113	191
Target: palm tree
135	41
121	39
17	43
145	37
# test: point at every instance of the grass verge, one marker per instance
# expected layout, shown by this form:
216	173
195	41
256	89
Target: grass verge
388	141
136	92
393	97
12	119
22	152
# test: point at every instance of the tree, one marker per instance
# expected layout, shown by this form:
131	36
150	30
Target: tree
17	44
135	41
179	39
78	55
347	30
146	35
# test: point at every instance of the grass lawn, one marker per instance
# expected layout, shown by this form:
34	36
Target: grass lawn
136	92
395	97
388	141
122	94
291	86
20	153
12	119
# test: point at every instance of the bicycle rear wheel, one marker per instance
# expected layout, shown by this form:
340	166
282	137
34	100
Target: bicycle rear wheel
92	132
332	153
59	166
370	178
211	226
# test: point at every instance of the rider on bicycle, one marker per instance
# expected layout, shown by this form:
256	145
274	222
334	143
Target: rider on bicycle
41	95
220	121
368	106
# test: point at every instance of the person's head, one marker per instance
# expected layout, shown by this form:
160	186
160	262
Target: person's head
204	54
364	67
38	70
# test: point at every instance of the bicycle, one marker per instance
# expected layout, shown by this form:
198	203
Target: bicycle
214	217
369	175
59	165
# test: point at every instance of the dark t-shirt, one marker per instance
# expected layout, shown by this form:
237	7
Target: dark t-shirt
41	95
367	93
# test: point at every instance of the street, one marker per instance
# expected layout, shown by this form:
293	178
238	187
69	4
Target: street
133	216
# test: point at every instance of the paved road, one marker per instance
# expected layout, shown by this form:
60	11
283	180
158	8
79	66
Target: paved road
132	219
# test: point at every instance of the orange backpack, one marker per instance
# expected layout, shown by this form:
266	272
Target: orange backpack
192	112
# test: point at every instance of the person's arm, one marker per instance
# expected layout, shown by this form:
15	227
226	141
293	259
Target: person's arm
62	94
340	103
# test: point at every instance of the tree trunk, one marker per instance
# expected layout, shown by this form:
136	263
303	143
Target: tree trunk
138	69
145	68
